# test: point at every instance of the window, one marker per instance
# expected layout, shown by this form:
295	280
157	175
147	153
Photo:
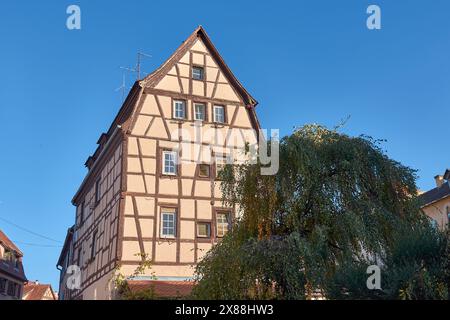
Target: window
204	230
11	289
66	264
199	112
169	162
80	260
220	165
203	170
97	191
17	291
2	285
222	224
179	109
13	259
82	213
94	245
16	263
197	73
168	223
219	114
8	256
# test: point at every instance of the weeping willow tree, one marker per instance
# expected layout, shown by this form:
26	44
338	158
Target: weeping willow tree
337	205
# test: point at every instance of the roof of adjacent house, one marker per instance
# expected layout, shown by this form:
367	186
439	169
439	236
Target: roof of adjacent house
162	289
36	291
8	267
435	194
5	241
66	245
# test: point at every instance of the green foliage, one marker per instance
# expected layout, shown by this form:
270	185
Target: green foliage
413	268
336	205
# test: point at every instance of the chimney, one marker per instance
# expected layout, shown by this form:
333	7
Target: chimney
439	180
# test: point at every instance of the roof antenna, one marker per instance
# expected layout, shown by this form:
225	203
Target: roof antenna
140	55
137	70
123	86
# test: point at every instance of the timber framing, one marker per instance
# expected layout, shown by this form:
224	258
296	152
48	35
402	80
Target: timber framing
129	162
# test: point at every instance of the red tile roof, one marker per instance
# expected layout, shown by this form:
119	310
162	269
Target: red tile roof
8	243
36	291
163	289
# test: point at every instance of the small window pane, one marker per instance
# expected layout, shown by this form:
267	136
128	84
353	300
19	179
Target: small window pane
219	114
97	191
204	230
199	111
220	164
179	109
94	245
168	226
203	170
197	73
82	212
222	224
169	159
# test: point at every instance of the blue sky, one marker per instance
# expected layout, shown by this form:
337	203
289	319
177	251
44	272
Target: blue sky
304	61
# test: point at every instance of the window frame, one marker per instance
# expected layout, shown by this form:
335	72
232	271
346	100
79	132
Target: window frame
194	111
83	204
4	286
80	255
215	113
163	163
208	236
165	212
174	110
94	245
98	195
224	158
227	215
202	73
10	291
199	171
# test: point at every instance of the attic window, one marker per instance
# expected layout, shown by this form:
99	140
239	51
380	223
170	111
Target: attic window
197	73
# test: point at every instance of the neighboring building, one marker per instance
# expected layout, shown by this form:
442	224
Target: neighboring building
436	202
33	290
64	261
137	198
12	276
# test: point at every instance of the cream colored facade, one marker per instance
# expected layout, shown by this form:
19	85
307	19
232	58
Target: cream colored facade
439	212
130	170
436	202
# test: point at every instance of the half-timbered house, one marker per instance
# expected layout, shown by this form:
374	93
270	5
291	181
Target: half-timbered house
152	187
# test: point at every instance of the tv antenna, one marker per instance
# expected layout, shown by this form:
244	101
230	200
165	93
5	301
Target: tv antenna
140	56
136	69
123	86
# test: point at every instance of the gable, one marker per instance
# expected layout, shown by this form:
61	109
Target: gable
175	75
215	84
